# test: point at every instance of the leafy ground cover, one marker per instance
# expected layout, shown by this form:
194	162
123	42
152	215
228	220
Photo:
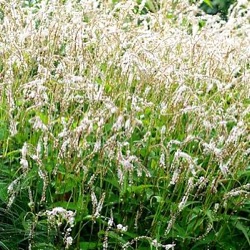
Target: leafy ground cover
122	128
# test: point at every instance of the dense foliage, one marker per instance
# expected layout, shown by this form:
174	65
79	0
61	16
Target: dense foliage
122	128
211	7
217	6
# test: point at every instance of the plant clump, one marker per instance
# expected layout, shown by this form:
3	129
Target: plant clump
122	128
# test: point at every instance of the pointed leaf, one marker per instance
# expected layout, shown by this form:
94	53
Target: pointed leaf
244	230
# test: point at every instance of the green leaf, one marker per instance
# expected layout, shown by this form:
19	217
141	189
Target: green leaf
138	189
88	245
114	235
188	203
113	182
4	131
208	2
3	246
194	224
244	230
209	215
3	192
151	6
179	231
44	246
68	205
67	185
158	199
